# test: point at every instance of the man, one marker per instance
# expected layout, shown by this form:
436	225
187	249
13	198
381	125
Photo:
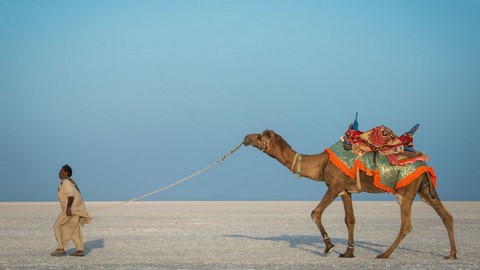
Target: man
72	217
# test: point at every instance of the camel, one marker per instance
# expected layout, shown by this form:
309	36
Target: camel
318	167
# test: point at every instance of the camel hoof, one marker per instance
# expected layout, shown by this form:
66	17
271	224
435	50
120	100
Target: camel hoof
329	249
382	256
347	255
451	257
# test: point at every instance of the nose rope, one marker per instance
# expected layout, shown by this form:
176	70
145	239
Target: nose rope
175	183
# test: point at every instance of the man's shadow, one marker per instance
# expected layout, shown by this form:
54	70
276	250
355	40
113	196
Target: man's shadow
315	245
89	245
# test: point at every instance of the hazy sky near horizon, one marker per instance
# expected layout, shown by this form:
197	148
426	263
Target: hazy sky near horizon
135	95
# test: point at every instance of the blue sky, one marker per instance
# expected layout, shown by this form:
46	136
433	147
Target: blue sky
135	95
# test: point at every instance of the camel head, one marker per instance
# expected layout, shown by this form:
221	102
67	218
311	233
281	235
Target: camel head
265	141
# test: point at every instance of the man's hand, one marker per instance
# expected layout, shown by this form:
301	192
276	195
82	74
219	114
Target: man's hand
69	211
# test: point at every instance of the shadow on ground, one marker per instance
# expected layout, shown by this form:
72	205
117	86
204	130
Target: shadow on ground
315	245
89	245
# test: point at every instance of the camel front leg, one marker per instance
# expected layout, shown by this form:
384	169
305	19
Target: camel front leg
327	199
350	222
405	227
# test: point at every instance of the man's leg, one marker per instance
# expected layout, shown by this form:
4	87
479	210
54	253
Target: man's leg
77	236
57	230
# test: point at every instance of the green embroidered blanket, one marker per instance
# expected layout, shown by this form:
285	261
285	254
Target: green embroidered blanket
386	177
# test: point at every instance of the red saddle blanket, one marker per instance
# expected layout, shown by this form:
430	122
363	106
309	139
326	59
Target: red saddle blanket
406	157
381	139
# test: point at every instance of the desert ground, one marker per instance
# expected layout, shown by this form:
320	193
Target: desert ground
237	235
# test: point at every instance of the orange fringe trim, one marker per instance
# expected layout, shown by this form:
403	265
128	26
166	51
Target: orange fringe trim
339	164
376	174
419	171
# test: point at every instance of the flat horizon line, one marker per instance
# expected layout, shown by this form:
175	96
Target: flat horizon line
150	201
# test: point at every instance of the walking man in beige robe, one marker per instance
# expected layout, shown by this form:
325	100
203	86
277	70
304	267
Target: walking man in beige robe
72	217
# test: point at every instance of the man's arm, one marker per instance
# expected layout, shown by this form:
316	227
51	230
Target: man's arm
69	206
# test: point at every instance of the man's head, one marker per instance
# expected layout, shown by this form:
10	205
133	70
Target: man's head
65	171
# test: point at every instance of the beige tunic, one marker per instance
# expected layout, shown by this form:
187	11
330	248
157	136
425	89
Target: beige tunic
67	189
68	228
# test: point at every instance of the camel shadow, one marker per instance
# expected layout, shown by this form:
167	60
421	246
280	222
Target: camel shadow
314	244
89	245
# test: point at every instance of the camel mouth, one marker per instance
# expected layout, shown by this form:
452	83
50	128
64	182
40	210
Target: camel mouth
250	140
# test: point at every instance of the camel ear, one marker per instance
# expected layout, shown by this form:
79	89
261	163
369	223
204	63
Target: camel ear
271	133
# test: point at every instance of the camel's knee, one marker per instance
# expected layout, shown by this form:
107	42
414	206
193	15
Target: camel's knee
350	220
448	217
407	230
448	220
316	216
441	210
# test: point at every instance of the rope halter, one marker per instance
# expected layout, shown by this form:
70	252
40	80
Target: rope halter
264	145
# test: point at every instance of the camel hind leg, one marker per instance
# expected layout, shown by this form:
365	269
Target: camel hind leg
406	222
429	196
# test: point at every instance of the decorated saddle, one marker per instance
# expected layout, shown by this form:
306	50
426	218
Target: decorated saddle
379	139
386	177
380	153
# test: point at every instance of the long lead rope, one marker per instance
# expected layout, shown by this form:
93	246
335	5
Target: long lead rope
175	183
